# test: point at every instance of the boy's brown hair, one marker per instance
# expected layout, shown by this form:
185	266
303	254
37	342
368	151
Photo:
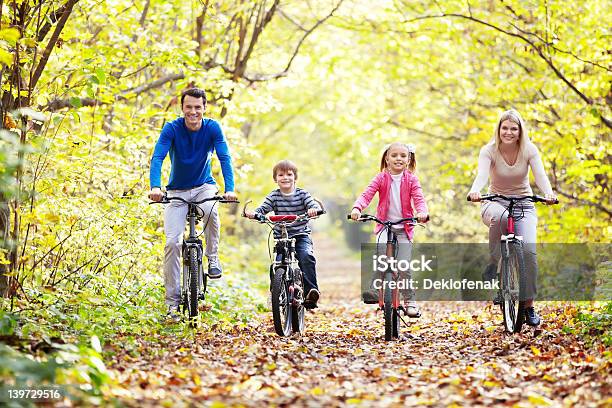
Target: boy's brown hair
284	165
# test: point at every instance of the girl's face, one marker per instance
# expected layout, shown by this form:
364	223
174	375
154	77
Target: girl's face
509	132
397	159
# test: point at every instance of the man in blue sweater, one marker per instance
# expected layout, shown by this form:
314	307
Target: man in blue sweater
190	140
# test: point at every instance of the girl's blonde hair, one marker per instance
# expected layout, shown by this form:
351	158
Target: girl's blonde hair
513	116
411	156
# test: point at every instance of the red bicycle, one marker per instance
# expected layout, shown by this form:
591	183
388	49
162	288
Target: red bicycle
388	293
511	269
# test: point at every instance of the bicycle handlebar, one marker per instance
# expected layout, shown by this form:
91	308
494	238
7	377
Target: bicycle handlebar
167	200
285	218
493	197
368	217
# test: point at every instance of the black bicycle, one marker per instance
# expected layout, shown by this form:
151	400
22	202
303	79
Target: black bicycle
194	281
388	293
287	280
511	270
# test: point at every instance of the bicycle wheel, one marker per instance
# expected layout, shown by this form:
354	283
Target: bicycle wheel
281	309
388	307
513	278
297	312
192	292
396	323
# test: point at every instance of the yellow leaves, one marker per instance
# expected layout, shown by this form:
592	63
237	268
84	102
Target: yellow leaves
491	384
549	378
535	351
317	391
539	400
10	35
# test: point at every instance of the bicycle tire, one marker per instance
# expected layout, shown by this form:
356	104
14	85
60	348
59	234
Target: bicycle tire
513	282
192	292
396	323
281	309
297	312
388	308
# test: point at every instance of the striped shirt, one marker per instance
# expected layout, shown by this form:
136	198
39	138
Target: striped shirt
298	202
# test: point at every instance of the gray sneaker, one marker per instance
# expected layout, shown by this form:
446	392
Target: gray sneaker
214	269
173	315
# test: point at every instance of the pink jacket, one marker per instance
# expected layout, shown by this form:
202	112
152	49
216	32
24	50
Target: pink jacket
411	196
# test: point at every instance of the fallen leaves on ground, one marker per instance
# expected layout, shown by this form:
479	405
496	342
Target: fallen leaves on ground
456	354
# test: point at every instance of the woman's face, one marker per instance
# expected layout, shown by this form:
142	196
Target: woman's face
509	132
397	159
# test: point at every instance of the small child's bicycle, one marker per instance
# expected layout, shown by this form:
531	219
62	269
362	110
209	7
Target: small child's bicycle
511	269
287	280
389	294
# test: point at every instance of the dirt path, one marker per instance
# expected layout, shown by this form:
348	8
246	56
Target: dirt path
455	355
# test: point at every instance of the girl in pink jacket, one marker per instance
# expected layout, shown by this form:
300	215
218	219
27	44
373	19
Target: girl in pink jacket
400	195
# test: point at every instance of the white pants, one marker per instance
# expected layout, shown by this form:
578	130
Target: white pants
175	218
495	216
403	251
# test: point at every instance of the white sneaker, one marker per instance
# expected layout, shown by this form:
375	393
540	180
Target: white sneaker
412	309
173	315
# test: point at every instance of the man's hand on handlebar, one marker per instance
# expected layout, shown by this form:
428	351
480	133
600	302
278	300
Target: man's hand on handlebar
230	196
156	194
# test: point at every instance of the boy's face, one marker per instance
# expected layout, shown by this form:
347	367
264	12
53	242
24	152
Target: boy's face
285	180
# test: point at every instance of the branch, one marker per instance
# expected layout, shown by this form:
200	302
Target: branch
58	104
52	41
283	73
584	202
538	50
52	19
423	132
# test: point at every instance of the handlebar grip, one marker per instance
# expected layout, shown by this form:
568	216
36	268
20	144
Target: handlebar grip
259	217
468	198
428	218
321	212
348	217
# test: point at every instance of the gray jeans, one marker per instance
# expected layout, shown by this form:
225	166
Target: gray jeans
175	218
495	216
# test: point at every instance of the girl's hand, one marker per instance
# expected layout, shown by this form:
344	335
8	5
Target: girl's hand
312	212
249	214
475	196
355	214
550	198
422	217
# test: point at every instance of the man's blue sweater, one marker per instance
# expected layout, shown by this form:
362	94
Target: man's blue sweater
190	155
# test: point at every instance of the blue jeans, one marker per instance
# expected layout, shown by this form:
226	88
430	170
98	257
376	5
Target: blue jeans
307	262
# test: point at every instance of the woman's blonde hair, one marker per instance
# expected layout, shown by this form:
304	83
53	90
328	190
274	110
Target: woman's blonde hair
513	116
411	156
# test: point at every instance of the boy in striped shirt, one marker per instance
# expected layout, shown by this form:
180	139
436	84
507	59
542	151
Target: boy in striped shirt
288	199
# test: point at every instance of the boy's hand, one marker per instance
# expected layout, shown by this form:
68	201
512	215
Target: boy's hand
312	212
355	214
249	214
422	217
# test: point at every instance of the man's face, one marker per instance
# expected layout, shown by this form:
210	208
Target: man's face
193	109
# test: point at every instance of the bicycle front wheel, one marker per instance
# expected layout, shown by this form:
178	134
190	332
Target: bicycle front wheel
513	280
281	309
297	313
388	308
192	292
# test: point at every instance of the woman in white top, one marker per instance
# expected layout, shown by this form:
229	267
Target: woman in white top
506	160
